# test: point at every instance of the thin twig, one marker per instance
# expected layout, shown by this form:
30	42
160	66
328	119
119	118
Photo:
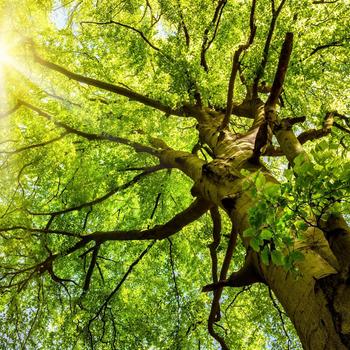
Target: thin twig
139	32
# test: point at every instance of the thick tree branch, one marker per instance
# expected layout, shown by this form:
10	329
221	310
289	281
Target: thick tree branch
245	109
91	269
235	67
245	276
264	134
183	25
314	134
147	101
92	137
179	221
309	135
283	62
340	127
262	66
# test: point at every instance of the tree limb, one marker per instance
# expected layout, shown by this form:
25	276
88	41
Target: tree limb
179	221
147	101
91	268
159	232
148	171
213	316
283	62
115	290
37	145
336	43
184	27
235	67
262	66
308	135
93	137
216	218
139	32
245	276
264	134
39	230
214	23
314	134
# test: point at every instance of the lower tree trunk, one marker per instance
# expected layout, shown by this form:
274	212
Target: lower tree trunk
318	300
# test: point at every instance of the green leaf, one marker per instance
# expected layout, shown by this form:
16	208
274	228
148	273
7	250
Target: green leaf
272	190
322	146
266	234
255	243
246	185
288	173
265	255
249	232
277	257
288	241
260	181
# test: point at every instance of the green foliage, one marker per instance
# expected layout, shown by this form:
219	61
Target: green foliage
159	305
313	189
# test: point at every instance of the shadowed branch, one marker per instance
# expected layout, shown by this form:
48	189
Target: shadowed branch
214	23
98	200
235	66
139	32
262	66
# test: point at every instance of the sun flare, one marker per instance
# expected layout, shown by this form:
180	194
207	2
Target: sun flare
4	52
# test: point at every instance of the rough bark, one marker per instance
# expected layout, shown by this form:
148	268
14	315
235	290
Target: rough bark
318	300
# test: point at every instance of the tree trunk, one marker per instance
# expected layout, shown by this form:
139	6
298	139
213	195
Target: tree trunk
317	301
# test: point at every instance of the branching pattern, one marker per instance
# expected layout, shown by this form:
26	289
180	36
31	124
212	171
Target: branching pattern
111	140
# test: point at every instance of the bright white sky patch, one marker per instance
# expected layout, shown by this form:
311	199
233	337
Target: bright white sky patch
162	32
59	15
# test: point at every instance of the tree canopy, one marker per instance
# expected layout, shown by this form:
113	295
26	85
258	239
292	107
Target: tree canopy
130	131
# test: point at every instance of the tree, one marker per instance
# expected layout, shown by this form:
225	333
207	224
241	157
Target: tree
152	149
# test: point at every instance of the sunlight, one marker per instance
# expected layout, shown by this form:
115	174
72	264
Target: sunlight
3	59
9	59
4	52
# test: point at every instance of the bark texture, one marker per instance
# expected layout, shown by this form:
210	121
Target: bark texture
318	300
